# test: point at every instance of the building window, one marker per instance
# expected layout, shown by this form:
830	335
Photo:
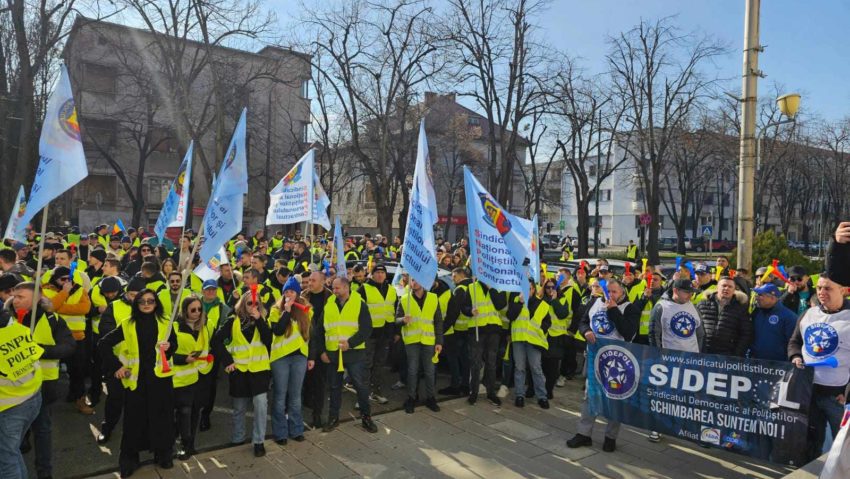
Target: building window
305	132
708	199
163	140
639	194
158	190
305	89
98	134
99	78
473	121
97	190
368	197
604	195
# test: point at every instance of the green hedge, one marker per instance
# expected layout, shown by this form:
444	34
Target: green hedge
769	246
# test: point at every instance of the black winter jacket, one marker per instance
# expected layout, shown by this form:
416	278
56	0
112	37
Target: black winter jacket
728	330
838	262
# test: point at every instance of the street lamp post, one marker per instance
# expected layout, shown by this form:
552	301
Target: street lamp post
788	106
749	105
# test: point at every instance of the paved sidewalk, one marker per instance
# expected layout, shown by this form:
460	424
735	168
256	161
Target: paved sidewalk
464	441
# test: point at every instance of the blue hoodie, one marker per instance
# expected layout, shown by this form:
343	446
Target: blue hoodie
773	329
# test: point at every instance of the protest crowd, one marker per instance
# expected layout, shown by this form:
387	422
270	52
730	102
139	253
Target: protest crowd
280	324
147	327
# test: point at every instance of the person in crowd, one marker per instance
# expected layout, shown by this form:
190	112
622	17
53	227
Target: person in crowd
675	324
246	361
823	332
20	400
317	295
773	325
485	330
418	314
54	337
381	300
457	318
799	292
215	311
116	312
614	318
529	325
193	349
569	296
725	317
147	380
290	320
71	302
341	336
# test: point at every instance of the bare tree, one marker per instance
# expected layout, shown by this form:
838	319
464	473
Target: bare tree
376	55
499	59
659	89
30	36
586	122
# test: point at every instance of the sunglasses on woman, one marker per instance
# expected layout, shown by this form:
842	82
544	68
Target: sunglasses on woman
147	302
194	310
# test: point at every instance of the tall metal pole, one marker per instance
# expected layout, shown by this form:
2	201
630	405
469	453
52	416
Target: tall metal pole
746	167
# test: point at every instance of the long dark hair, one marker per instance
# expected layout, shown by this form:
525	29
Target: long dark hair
157	310
184	310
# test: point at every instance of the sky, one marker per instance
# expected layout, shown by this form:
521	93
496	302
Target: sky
807	47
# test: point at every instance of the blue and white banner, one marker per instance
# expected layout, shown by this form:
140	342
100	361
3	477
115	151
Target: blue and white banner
341	270
500	243
752	407
62	162
291	200
223	217
320	204
419	253
14	229
174	210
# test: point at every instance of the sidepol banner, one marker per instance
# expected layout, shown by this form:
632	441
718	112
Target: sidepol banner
752	407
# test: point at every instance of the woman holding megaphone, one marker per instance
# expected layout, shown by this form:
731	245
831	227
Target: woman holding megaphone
242	344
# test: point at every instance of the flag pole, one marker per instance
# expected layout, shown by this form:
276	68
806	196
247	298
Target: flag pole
184	274
37	293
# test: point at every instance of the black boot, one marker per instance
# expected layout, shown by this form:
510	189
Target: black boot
204	424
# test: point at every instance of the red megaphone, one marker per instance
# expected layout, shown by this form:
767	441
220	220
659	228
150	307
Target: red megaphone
208	358
254	293
21	314
302	307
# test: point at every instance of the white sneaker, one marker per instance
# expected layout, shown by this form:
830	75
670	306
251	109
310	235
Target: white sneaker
398	385
654	437
502	392
561	382
482	390
356	405
349	387
378	398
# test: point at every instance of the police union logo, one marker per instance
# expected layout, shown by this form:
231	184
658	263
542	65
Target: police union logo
773	319
821	340
600	324
617	371
68	119
683	324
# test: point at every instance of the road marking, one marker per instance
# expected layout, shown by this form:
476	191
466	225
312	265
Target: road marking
203	469
220	465
96	432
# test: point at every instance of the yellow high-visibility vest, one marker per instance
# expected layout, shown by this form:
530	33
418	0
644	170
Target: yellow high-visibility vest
286	345
381	309
43	335
528	329
342	324
248	357
19	364
421	328
129	352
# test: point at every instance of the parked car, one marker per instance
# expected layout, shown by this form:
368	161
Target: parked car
670	243
551	240
700	245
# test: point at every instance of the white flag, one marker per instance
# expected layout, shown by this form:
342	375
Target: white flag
291	200
62	162
320	204
419	254
14	229
212	268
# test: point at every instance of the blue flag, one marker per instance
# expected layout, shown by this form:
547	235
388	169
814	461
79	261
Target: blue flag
62	162
341	270
174	210
14	229
500	245
419	254
223	218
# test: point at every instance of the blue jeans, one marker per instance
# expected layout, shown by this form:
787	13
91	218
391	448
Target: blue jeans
824	411
41	431
527	354
288	373
14	422
357	372
420	355
240	406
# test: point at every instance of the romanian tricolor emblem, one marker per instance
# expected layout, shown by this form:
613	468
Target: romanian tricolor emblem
614	384
293	176
494	215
